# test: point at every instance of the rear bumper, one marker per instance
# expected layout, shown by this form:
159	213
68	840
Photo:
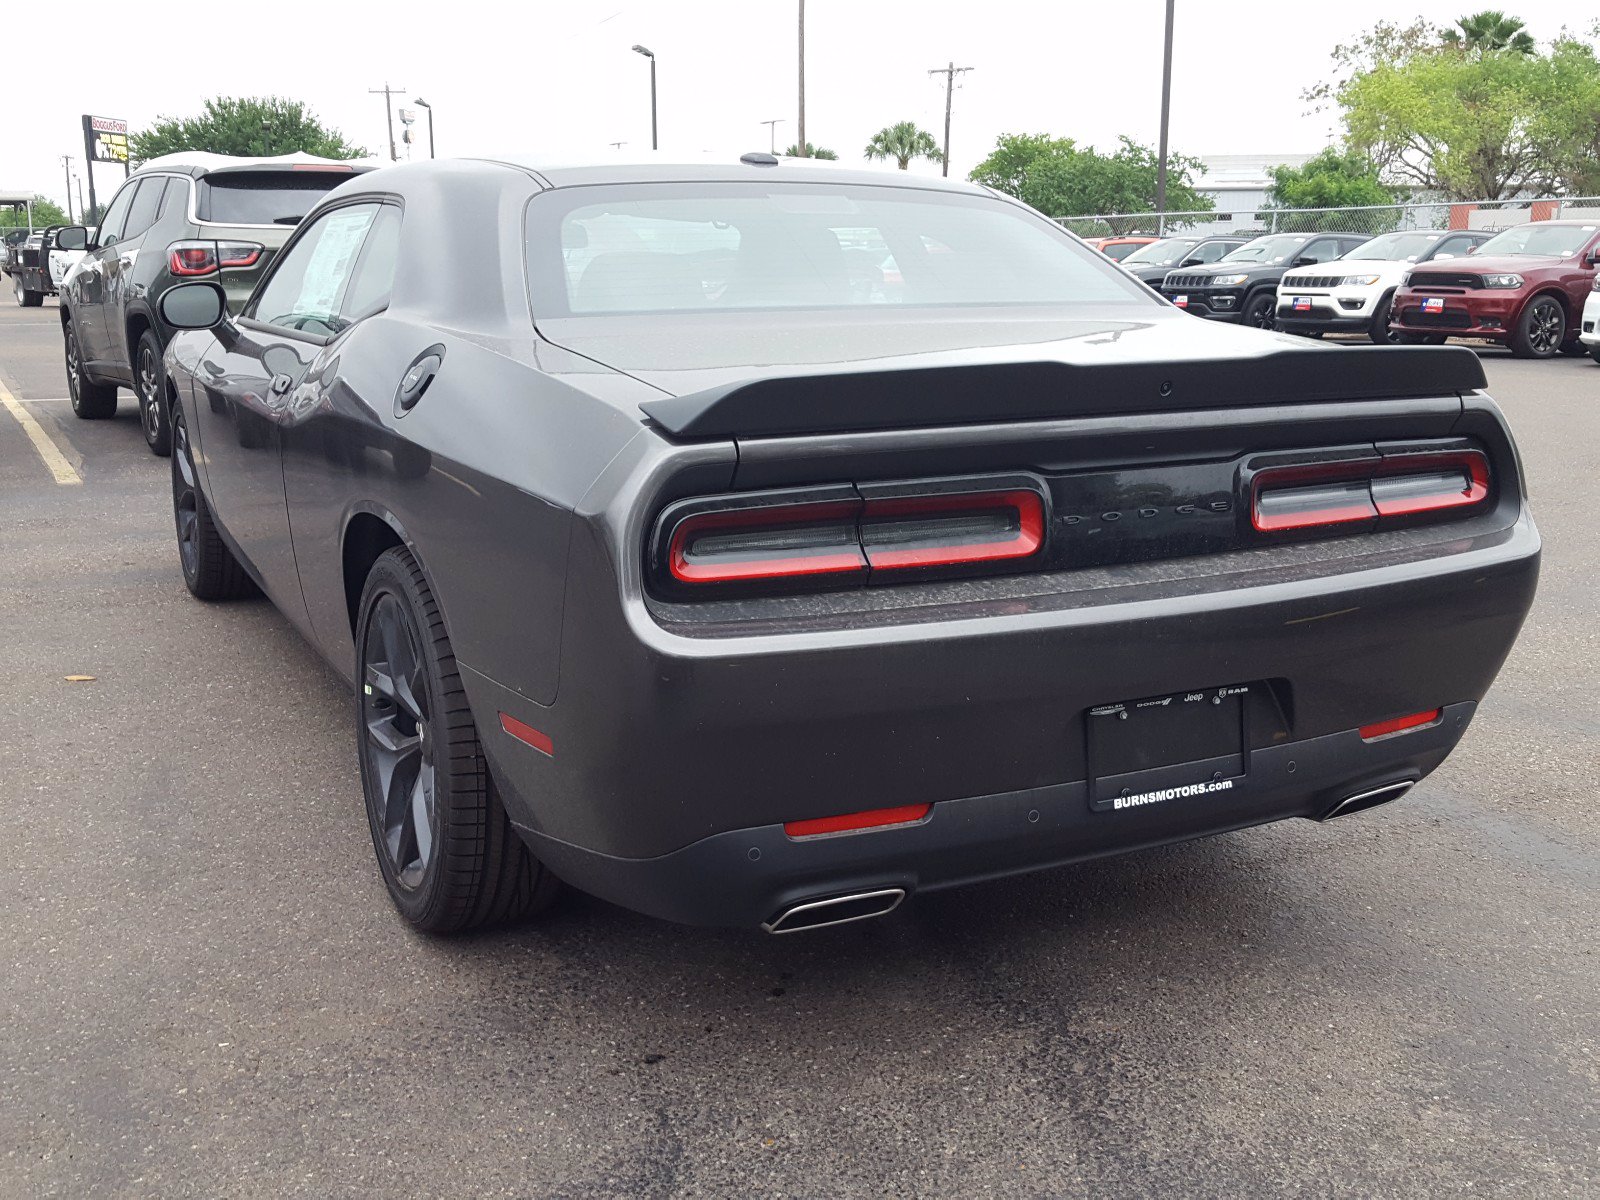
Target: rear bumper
676	755
745	877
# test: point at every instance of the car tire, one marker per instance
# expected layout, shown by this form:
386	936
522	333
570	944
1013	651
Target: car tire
1594	353
1540	329
25	298
91	401
1261	310
447	851
1380	332
210	570
150	386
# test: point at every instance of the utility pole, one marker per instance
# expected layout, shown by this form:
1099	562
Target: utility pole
950	73
772	133
616	145
388	111
1166	112
800	126
66	167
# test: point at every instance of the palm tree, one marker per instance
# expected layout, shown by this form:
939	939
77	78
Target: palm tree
1488	32
903	142
811	152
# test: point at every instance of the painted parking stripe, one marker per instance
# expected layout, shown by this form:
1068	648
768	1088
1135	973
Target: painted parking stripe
54	460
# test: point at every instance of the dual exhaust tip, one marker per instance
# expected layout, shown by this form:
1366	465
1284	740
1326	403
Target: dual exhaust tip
861	906
836	910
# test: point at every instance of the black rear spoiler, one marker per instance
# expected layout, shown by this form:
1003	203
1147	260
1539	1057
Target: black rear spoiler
840	401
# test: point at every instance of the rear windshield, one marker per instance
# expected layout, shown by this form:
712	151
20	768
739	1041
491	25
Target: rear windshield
264	197
679	247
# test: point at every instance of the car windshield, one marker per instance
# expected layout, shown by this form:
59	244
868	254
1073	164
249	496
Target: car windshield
1163	253
1538	239
264	197
1270	249
685	247
1395	247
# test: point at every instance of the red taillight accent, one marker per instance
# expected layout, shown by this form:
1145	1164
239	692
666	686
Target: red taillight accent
1401	724
767	543
524	732
1317	495
192	258
906	814
890	539
206	258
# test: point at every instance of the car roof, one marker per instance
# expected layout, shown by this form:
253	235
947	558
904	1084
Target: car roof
197	163
721	169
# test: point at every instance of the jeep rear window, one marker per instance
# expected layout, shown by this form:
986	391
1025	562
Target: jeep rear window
264	197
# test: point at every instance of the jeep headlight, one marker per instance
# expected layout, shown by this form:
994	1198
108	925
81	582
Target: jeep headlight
1360	280
1228	280
1595	286
1502	280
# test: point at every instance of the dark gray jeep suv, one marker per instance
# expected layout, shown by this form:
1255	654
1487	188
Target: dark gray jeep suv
179	218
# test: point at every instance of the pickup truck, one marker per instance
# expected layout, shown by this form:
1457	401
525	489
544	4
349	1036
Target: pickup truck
37	266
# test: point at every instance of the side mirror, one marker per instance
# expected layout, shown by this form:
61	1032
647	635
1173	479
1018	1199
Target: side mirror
73	237
193	305
1305	260
1190	262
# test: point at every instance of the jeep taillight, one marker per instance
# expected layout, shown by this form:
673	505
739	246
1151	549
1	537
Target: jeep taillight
206	258
844	536
1367	490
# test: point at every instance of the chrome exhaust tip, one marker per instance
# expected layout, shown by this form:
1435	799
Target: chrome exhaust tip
836	910
1371	798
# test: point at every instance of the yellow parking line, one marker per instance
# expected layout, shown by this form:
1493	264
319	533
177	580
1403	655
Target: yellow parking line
54	460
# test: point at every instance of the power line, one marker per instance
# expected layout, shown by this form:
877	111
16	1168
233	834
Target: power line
951	73
388	111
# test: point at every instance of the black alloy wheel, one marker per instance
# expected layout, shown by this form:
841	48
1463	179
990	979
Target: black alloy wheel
210	571
90	401
149	385
448	854
1540	329
1262	310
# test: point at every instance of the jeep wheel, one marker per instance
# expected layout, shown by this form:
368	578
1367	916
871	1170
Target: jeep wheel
1380	332
1540	329
1262	310
90	401
149	385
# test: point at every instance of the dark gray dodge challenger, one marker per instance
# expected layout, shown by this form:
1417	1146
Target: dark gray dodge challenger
761	543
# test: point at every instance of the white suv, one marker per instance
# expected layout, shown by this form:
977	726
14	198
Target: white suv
1351	294
1589	332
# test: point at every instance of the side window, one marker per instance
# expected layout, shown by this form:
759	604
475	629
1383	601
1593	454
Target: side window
1319	251
374	276
307	289
1209	252
117	214
1450	247
175	200
146	203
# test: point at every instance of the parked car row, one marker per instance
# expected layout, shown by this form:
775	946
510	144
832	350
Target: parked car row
1530	288
181	217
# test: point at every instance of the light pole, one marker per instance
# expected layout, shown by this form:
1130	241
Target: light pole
1166	111
421	103
654	144
66	166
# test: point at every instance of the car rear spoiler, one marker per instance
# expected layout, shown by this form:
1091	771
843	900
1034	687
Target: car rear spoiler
841	401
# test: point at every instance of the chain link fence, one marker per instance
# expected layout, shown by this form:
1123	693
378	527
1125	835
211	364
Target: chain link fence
1448	214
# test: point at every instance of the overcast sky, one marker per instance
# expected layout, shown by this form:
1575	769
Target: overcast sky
559	81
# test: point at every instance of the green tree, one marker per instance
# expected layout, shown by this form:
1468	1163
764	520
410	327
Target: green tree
812	151
904	141
1333	179
1489	32
45	212
246	126
1062	179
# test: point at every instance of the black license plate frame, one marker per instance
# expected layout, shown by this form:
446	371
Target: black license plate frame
1178	746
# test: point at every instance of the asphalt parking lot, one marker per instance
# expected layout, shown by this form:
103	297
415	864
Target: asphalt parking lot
207	992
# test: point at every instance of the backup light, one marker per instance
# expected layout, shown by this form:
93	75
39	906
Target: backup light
1326	495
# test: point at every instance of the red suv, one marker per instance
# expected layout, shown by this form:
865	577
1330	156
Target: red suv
1525	288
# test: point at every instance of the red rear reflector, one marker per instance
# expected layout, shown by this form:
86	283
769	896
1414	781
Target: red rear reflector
906	814
1401	724
949	530
527	733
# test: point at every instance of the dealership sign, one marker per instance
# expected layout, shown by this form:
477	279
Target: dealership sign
105	139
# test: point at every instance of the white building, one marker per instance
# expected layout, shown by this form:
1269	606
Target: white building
1238	183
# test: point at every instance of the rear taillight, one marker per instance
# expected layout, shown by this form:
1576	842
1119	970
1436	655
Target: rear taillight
1366	490
1396	725
887	531
206	258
